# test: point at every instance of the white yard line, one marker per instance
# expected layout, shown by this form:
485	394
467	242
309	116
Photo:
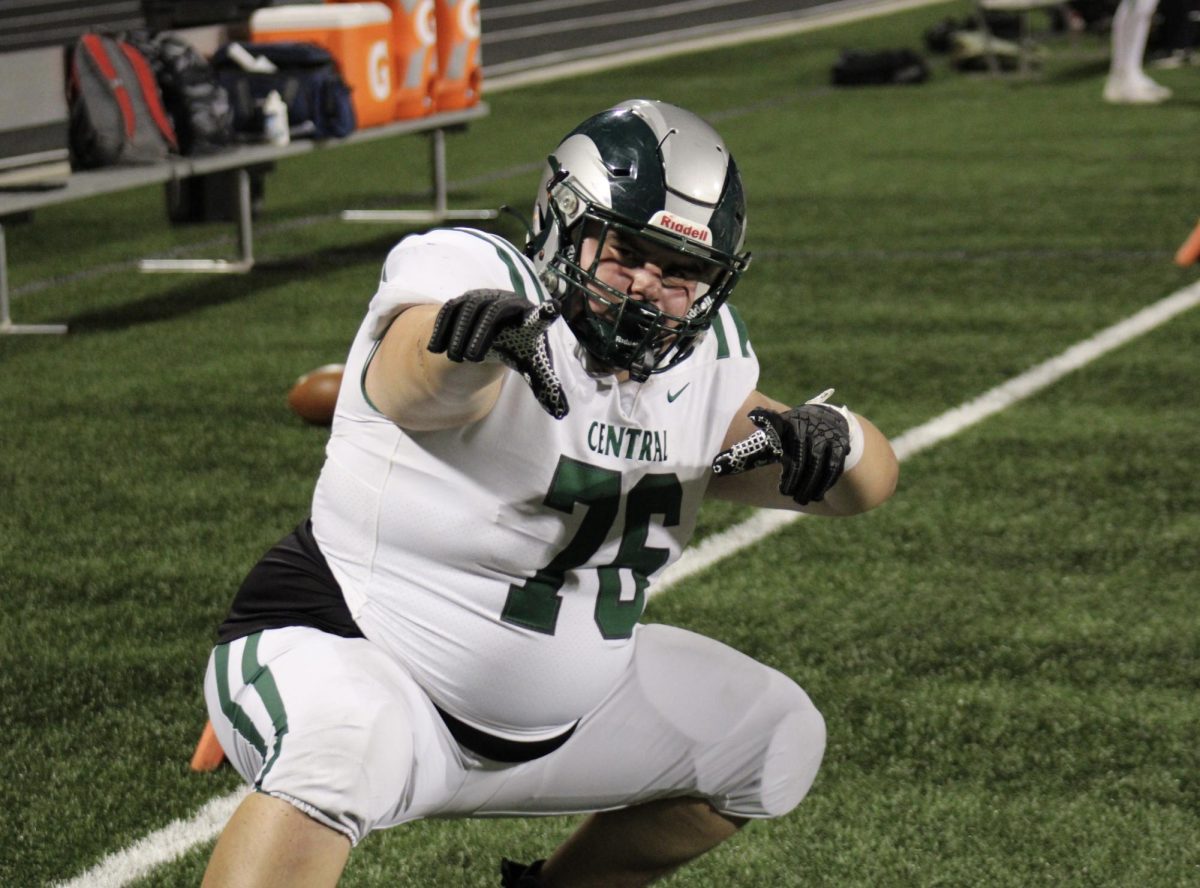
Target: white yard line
177	838
714	548
159	847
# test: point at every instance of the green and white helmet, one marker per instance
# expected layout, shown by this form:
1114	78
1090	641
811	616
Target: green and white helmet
647	170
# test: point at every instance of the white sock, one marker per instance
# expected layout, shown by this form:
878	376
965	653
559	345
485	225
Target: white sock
1130	28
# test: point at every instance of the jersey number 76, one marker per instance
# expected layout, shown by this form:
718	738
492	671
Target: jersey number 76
535	603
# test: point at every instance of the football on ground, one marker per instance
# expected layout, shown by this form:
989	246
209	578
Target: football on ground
314	395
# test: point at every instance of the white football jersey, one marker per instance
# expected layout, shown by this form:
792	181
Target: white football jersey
505	563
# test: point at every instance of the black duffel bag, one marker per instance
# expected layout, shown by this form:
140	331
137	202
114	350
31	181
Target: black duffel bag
306	77
876	68
198	104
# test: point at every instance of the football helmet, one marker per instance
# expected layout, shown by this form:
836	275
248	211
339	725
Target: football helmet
646	172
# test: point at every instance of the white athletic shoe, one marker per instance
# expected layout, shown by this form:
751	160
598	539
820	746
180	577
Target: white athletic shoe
1134	91
1179	58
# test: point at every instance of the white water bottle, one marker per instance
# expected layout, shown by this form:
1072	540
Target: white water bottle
275	119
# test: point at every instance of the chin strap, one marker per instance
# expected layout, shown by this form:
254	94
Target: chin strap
641	368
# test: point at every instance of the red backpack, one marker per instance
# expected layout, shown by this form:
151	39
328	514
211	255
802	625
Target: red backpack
117	115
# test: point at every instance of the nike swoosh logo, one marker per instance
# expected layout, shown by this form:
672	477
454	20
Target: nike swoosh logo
671	396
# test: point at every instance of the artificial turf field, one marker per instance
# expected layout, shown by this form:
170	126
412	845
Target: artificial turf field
1005	654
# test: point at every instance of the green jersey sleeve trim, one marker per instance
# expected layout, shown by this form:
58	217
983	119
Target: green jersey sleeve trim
362	379
523	281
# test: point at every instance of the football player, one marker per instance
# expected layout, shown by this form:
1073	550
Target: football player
521	445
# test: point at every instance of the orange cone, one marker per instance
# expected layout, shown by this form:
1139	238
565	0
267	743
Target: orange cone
1189	250
209	754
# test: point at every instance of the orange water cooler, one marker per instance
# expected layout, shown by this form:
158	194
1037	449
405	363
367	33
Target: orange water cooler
357	35
460	73
414	57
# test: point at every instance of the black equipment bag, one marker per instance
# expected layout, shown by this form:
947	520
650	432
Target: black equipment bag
117	116
197	103
308	80
889	66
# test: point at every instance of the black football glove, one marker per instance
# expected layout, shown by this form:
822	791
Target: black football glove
811	441
499	325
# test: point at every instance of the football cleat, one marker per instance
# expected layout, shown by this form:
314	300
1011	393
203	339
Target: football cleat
519	875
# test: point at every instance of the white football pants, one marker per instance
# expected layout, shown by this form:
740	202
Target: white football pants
340	730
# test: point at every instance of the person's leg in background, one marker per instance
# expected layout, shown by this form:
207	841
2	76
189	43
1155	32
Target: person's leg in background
1128	83
1177	46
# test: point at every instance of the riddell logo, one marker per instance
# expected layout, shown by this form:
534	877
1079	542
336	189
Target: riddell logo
679	225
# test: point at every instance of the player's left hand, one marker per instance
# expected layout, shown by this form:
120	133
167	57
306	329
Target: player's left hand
499	325
811	441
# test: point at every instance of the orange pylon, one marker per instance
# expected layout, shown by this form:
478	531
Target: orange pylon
209	754
1189	250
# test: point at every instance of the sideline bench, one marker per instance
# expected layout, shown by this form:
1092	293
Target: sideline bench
93	183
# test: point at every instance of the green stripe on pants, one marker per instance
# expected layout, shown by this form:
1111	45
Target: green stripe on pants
236	715
260	678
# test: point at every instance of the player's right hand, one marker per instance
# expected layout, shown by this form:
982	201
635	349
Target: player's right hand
499	325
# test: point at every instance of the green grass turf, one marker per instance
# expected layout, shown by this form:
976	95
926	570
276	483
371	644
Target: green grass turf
1005	654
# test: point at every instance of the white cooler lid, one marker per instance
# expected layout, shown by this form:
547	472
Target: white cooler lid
319	16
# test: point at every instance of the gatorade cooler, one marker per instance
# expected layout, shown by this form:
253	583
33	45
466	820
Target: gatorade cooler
357	35
460	73
414	56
